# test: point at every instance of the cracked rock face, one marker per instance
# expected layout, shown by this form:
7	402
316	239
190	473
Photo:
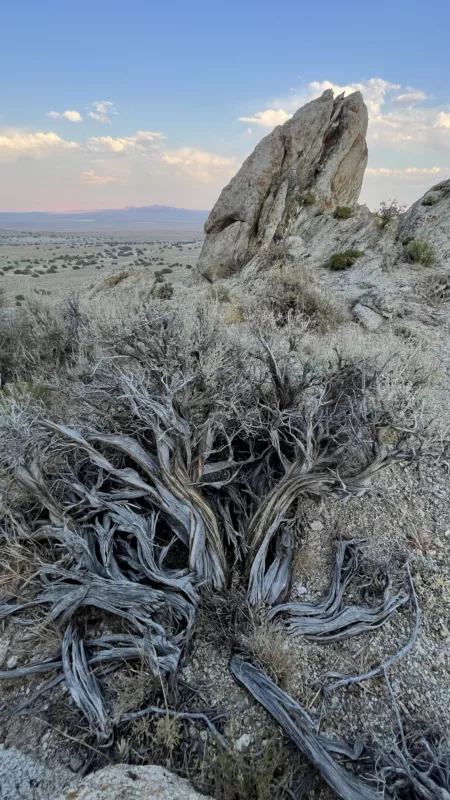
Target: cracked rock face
319	155
429	219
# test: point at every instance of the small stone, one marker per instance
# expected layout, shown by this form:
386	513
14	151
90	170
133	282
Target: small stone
75	764
444	632
12	662
300	590
447	534
3	651
243	742
368	318
317	525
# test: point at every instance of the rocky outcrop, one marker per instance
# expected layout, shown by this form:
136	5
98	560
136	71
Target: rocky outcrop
318	157
429	219
23	777
125	782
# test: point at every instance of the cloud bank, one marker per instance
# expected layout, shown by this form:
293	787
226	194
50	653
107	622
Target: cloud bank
408	138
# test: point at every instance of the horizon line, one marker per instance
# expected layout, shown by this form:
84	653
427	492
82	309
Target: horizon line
103	208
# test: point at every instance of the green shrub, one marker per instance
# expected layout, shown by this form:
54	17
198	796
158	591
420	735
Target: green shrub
345	260
431	200
291	291
162	291
422	252
343	212
310	199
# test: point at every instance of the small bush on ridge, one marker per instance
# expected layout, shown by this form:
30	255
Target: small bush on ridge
343	212
430	200
344	260
422	252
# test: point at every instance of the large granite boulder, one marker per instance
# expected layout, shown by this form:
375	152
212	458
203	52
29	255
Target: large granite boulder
429	219
318	156
125	782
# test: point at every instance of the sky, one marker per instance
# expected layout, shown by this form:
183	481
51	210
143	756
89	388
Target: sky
111	104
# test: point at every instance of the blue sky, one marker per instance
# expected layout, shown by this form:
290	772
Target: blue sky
106	104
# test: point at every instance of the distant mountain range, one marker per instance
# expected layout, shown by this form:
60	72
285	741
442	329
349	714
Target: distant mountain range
136	218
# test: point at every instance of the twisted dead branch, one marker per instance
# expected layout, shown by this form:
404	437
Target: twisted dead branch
329	619
349	680
296	724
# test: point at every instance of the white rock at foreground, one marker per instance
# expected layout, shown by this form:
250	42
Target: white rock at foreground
125	782
318	156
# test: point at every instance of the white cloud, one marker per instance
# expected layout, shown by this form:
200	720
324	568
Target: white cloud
99	117
268	118
104	107
72	116
443	120
16	144
411	96
395	120
374	91
200	165
93	179
141	142
102	110
409	172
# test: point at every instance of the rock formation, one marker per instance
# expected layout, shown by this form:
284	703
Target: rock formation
125	782
429	219
318	156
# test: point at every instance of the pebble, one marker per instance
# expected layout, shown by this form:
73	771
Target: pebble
300	590
12	662
75	764
317	525
243	742
444	632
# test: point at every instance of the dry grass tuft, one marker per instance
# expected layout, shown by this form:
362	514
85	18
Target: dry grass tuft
132	686
18	570
290	290
233	313
437	290
270	648
168	734
233	775
422	252
45	638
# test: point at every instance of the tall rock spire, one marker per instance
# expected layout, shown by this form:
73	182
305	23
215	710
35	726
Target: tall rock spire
320	152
